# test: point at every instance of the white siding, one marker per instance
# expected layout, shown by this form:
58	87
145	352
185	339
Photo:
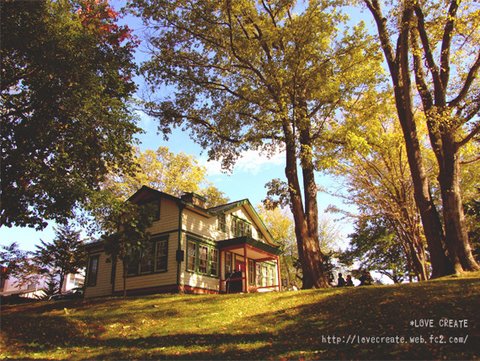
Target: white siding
193	279
103	286
151	280
168	217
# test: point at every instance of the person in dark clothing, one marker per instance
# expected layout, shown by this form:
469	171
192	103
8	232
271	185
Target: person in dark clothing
341	280
365	279
349	282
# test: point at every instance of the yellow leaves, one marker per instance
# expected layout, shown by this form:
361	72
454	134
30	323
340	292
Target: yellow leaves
357	143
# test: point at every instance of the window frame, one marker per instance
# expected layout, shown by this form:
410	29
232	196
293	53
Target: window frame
229	263
155	263
137	260
240	227
252	272
156	216
212	257
188	268
92	282
222	222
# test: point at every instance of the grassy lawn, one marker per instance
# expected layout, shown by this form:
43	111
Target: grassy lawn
291	325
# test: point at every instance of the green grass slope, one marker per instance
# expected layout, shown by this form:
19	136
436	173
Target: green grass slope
367	323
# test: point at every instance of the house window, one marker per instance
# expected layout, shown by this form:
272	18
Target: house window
228	263
153	208
258	270
191	254
153	258
222	222
240	227
213	261
251	272
146	258
92	271
202	258
265	276
133	262
161	255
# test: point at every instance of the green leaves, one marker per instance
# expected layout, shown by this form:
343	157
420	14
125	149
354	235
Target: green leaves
64	255
240	69
65	122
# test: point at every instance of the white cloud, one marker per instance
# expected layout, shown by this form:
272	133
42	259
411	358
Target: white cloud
250	162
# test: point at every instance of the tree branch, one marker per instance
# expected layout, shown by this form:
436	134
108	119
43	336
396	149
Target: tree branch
470	161
446	43
422	86
381	22
472	74
469	137
438	85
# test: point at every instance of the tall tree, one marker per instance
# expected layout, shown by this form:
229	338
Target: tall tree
446	119
66	77
129	236
162	170
18	265
263	75
373	246
281	226
451	103
374	164
167	172
63	255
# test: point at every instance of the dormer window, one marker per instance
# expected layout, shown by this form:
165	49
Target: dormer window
153	208
241	227
222	222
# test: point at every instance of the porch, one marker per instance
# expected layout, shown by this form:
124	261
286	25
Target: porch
248	265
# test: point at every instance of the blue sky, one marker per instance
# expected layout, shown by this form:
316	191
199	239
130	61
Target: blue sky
248	179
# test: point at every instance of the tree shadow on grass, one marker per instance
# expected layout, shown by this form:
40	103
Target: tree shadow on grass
292	332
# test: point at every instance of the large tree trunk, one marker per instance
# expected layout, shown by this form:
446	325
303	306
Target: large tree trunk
61	281
442	130
418	262
459	250
400	74
124	275
306	221
428	212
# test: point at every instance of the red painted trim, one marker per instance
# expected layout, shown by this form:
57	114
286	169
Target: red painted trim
279	274
220	269
265	259
227	249
245	247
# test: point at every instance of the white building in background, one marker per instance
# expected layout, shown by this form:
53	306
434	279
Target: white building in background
73	280
34	289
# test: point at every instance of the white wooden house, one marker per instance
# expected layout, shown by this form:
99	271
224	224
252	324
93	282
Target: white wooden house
193	249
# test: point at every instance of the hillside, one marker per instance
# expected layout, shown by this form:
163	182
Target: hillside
255	326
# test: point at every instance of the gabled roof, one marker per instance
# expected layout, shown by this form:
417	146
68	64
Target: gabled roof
226	207
148	190
244	202
209	212
238	241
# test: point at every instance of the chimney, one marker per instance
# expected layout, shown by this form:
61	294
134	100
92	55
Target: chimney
194	198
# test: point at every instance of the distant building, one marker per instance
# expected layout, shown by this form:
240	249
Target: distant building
34	288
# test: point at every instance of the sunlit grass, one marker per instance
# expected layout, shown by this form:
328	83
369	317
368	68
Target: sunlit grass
247	326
